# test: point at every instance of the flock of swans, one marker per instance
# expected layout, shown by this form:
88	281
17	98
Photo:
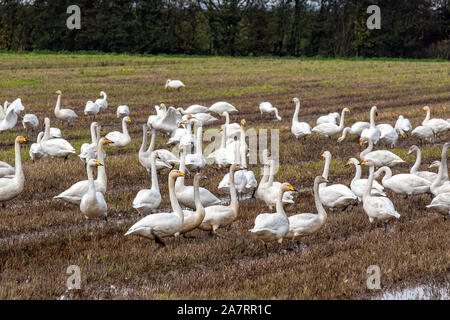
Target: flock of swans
202	209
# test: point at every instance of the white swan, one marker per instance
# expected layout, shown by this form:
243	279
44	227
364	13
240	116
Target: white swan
402	125
196	161
437	125
165	121
441	203
193	109
240	179
146	155
185	194
330	129
430	176
304	224
148	200
6	170
332	117
219	216
122	111
30	121
183	133
377	208
423	132
77	190
270	189
204	118
299	129
373	133
251	184
441	184
404	183
271	227
174	84
11	115
12	187
3	110
84	150
356	129
55	147
91	108
63	114
162	225
388	134
233	129
358	185
120	139
101	101
193	219
36	151
221	107
379	157
267	107
335	195
93	204
220	156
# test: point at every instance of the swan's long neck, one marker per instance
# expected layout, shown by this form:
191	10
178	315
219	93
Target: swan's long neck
101	171
144	139
155	184
151	147
372	118
18	164
46	131
173	199
98	132
427	118
341	124
344	133
276	114
93	133
223	142
265	176
91	191
297	109
279	205
233	195
58	103
320	209
271	172
198	146
387	172
416	165
39	137
180	181
357	172
369	182
227	118
124	127
200	210
326	168
444	167
369	148
104	95
242	149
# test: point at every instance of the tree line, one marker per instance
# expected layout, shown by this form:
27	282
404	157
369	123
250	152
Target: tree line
329	28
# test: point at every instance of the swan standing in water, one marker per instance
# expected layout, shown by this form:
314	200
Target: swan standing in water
162	225
430	176
271	227
185	194
101	101
93	204
330	129
299	129
305	224
77	190
148	200
174	84
267	107
55	147
120	139
220	216
379	157
193	219
372	133
404	183
12	187
63	114
335	195
377	208
358	185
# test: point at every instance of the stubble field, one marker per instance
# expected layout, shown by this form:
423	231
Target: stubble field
40	237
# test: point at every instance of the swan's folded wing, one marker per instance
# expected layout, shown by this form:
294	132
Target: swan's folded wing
302	220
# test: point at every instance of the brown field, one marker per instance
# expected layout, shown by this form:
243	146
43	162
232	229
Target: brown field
41	237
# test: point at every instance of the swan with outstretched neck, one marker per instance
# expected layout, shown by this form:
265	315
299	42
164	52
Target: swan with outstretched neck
12	187
63	114
93	204
193	219
299	129
148	200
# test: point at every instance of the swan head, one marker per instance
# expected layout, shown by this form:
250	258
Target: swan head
167	83
320	180
235	167
127	119
295	100
190	117
363	140
175	174
104	141
368	163
434	164
413	148
243	123
426	108
352	161
101	94
326	154
346	110
21	139
287	187
94	163
58	92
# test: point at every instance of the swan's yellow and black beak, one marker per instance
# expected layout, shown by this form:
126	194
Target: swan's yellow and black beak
22	140
108	141
423	109
292	100
129	120
221	114
363	163
243	122
181	174
348	109
347	164
291	188
323	155
160	106
403	136
98	164
190	117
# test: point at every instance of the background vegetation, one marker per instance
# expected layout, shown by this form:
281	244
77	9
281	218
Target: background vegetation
334	28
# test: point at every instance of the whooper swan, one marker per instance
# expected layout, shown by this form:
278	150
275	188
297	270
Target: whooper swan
55	147
63	114
93	204
358	185
373	133
404	183
267	107
174	84
193	219
437	125
148	200
299	129
430	176
120	139
12	187
379	157
330	129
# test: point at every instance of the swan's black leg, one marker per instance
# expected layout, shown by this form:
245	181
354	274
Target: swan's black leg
158	240
254	192
266	250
